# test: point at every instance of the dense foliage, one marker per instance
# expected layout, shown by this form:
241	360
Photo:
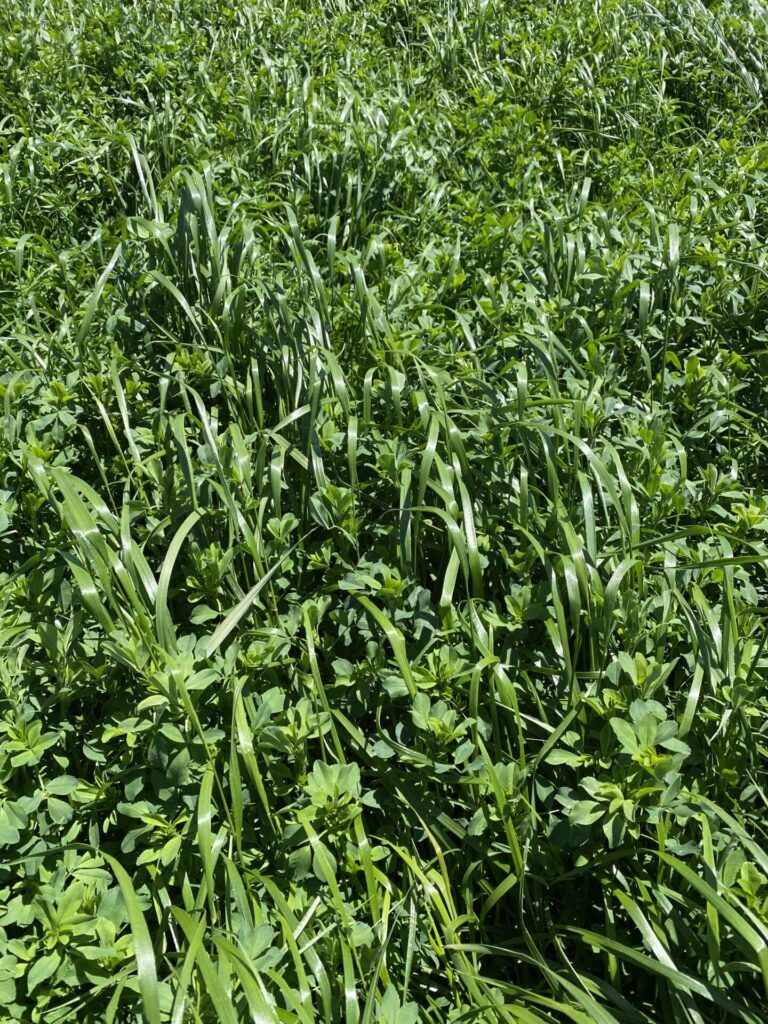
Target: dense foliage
382	517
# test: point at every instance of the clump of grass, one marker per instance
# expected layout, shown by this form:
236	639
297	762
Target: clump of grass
382	522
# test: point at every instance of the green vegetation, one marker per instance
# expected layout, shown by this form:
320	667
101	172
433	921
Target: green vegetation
382	519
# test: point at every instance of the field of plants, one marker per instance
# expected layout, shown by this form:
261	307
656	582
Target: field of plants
383	536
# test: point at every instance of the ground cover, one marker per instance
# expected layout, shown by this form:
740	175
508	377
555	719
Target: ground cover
382	516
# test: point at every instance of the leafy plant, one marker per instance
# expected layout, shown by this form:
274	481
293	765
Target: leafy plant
383	512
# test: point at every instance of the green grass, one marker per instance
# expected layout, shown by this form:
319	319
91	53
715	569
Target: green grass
382	516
